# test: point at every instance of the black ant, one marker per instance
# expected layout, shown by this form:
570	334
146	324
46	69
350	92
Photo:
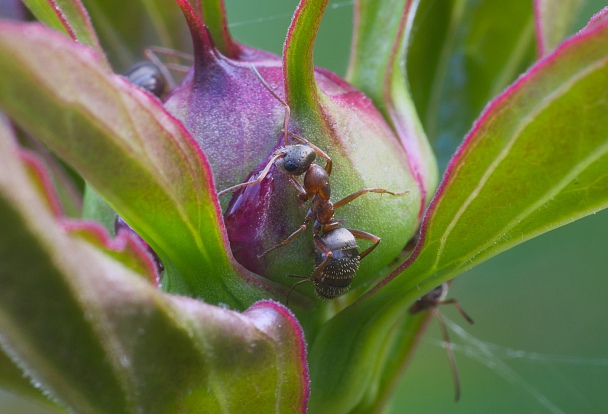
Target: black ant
336	252
431	301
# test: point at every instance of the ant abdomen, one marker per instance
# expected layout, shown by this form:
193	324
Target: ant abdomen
340	269
147	76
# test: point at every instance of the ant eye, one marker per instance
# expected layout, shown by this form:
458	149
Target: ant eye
290	165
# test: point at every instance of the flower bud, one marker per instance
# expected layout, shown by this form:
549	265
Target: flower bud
239	125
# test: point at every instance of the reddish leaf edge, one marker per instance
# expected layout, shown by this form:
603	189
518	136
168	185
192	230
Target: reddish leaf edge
88	230
301	90
397	122
125	243
598	18
213	15
82	11
296	328
61	16
598	24
40	176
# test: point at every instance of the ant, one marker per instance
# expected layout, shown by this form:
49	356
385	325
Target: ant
336	256
431	301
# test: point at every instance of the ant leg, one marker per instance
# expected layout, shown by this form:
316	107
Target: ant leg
273	93
323	248
359	193
448	348
298	186
292	236
459	308
259	179
363	235
174	55
316	149
151	55
159	50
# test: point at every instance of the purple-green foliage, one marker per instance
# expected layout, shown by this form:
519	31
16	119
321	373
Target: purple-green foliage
86	327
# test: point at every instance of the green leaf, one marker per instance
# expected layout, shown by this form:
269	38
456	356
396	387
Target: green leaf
98	338
383	79
462	54
553	22
540	148
68	16
129	149
536	159
126	28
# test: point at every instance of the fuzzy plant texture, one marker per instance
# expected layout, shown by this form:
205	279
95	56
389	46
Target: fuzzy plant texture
131	282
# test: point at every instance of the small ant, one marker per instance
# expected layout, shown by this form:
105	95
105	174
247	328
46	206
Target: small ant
336	256
431	301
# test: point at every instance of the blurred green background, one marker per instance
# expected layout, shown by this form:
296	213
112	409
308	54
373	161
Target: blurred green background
540	339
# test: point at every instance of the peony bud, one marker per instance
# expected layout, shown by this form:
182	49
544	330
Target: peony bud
239	125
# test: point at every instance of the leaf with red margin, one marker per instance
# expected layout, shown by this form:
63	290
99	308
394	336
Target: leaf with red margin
130	150
597	19
97	338
535	160
42	182
384	80
68	16
124	247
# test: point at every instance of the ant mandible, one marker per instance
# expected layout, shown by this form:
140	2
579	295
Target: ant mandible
431	301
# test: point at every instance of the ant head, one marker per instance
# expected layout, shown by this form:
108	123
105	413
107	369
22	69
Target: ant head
297	159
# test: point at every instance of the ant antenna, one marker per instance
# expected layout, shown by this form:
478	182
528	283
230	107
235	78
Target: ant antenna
273	93
294	286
